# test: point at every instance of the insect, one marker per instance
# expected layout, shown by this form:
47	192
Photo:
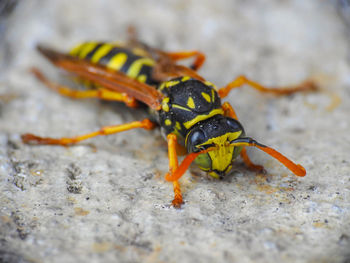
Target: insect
186	107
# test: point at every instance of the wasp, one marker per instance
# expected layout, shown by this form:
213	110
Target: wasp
187	108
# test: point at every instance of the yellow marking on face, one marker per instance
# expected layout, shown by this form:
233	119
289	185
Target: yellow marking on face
215	175
117	61
185	78
76	50
221	158
167	122
86	49
142	78
101	52
171	83
222	140
190	103
199	118
180	107
206	96
165	105
136	66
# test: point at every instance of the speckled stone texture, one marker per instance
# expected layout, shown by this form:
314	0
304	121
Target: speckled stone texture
106	200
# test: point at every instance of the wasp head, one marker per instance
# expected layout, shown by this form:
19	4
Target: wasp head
216	132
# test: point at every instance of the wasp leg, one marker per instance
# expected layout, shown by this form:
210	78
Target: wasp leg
230	112
197	63
173	165
307	85
249	163
100	93
106	130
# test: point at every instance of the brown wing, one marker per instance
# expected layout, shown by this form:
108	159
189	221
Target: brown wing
166	66
109	79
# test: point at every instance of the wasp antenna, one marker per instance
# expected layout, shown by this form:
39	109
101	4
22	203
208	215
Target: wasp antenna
182	168
297	169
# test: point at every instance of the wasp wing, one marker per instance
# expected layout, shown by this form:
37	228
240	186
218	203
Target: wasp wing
107	78
166	66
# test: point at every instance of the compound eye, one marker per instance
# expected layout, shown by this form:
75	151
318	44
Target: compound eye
235	125
197	137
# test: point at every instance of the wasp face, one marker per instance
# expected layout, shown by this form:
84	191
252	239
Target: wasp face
215	132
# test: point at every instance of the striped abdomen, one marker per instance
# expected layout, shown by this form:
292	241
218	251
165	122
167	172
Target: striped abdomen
133	62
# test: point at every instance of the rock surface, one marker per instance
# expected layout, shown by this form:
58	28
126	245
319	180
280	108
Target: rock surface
106	200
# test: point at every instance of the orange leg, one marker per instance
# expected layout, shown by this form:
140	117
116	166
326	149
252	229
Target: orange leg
249	163
173	165
33	139
229	111
242	80
199	57
100	93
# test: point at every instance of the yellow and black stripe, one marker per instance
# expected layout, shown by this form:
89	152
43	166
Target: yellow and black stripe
133	62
